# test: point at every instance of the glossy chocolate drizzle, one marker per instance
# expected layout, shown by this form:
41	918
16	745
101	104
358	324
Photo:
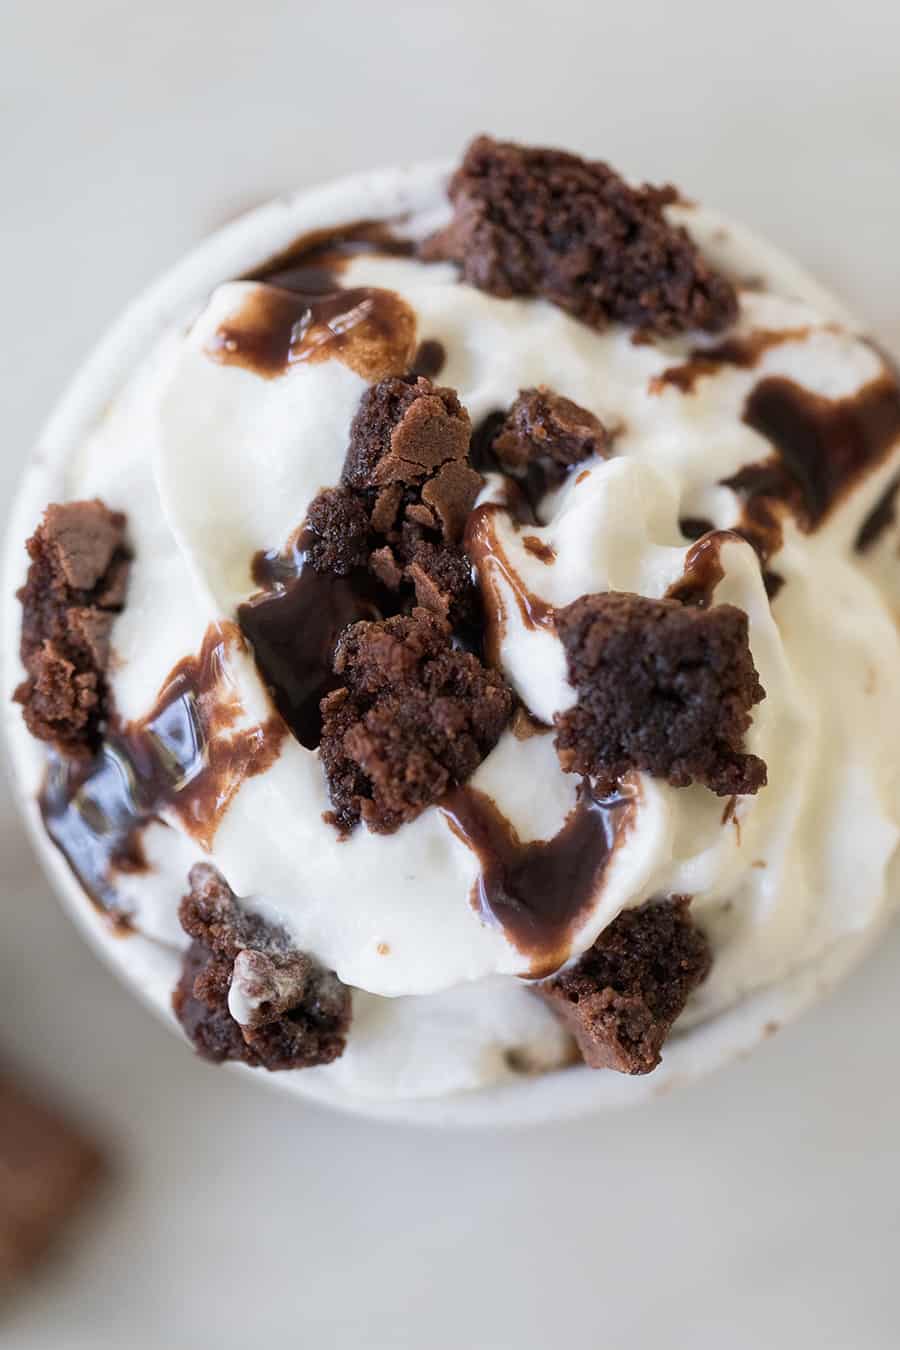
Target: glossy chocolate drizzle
293	626
174	759
539	892
302	313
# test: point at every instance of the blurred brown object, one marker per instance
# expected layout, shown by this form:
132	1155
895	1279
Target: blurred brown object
47	1168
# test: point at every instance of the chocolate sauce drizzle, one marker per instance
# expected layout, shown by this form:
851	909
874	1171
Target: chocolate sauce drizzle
539	892
302	313
741	351
823	447
880	519
172	759
703	570
487	553
294	624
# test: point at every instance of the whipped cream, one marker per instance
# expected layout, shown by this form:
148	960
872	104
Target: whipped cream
214	462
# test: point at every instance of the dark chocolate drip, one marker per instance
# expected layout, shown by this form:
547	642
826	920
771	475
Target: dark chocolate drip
881	518
540	549
429	359
330	250
703	570
294	626
525	490
694	527
824	446
490	560
539	892
95	811
276	328
741	351
303	313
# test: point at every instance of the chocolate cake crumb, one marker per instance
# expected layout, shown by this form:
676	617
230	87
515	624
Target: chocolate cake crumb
531	221
404	430
74	589
298	1013
413	717
47	1170
623	995
337	532
543	426
662	687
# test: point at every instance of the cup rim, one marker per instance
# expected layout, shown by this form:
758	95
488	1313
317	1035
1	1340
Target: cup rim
148	967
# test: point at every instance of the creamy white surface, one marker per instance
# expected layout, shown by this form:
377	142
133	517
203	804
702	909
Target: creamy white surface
192	442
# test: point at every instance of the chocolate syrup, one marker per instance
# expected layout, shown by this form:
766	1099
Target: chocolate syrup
539	892
703	570
882	516
743	352
823	447
540	549
302	313
293	627
489	557
429	359
95	812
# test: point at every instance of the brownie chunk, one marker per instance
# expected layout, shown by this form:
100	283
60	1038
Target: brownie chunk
409	446
294	1013
413	717
543	427
337	532
622	996
47	1170
74	589
541	222
662	687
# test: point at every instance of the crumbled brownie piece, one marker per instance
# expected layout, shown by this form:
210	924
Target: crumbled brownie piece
295	1014
441	578
407	471
662	687
542	222
337	532
622	996
413	717
404	430
74	589
47	1170
542	426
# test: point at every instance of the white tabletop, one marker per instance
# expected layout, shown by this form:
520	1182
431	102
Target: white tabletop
761	1208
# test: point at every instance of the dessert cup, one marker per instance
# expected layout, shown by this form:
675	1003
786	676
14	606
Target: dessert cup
150	968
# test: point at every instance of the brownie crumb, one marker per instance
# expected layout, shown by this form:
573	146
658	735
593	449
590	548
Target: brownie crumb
413	717
622	996
405	429
662	687
545	428
296	1014
47	1170
337	532
532	221
74	589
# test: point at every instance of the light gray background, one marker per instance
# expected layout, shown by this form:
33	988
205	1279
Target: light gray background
757	1209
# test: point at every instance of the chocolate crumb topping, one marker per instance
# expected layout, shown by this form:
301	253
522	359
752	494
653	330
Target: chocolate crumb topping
337	526
663	687
413	717
298	1013
411	433
542	222
623	995
74	589
543	426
